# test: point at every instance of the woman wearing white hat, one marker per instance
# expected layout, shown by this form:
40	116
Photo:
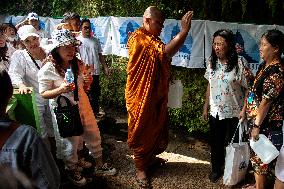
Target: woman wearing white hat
52	84
33	19
23	70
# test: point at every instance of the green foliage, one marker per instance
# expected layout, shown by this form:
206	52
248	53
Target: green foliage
252	11
194	86
112	88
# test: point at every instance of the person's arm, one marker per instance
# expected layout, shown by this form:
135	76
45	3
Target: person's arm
52	93
242	114
102	61
261	114
24	22
17	72
173	46
206	104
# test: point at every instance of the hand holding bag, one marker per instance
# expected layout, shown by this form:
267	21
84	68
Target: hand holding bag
68	118
237	160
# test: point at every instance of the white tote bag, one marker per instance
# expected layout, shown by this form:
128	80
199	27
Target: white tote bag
237	160
175	94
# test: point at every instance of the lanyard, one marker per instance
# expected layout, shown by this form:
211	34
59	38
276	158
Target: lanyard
34	60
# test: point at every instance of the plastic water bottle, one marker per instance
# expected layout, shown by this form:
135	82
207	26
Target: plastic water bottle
264	148
69	76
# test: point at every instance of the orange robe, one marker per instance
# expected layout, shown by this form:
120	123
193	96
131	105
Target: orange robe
146	94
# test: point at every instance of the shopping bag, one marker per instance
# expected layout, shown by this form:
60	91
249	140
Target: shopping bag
175	94
236	161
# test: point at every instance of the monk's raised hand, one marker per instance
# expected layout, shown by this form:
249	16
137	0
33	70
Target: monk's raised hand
186	21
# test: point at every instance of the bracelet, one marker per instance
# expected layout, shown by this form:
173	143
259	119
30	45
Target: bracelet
256	126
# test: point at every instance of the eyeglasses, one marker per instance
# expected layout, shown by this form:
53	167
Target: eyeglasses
86	27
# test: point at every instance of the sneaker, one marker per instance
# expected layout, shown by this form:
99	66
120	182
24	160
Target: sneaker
84	164
105	170
75	177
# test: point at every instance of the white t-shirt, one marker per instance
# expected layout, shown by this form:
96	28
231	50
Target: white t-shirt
23	70
89	51
49	78
226	89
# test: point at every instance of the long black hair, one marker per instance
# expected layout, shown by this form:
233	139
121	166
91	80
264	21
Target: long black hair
3	50
6	88
58	63
231	54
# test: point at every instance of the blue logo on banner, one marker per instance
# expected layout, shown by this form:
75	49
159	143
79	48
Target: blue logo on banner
126	29
98	33
41	25
248	48
170	31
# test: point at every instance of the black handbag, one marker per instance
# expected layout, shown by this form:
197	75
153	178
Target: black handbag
68	118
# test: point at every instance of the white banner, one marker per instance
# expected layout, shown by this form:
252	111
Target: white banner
101	29
113	33
191	54
121	29
247	36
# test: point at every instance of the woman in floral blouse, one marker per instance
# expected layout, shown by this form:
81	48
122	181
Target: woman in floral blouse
225	95
265	101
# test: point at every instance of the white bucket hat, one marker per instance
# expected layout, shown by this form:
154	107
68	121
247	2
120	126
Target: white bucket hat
60	38
27	31
32	16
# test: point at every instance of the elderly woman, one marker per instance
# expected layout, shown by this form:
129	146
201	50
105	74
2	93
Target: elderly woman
23	70
11	34
52	83
225	95
265	103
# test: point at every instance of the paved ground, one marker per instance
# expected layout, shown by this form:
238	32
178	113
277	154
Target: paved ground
188	164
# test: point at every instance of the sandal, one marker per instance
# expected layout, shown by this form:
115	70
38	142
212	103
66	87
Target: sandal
249	186
143	183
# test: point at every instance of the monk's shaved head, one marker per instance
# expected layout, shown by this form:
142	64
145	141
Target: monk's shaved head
153	20
153	11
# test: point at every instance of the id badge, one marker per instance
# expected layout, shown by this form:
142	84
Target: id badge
251	105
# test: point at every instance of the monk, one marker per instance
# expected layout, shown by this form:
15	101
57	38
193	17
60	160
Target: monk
148	76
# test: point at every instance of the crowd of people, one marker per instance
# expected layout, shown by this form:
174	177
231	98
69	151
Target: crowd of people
32	61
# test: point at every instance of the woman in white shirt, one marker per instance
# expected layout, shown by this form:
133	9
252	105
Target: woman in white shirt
23	70
51	85
225	95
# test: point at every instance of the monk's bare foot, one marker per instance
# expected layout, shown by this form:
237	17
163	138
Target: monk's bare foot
140	174
142	180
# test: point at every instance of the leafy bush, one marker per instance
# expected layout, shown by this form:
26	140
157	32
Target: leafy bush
194	86
113	87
